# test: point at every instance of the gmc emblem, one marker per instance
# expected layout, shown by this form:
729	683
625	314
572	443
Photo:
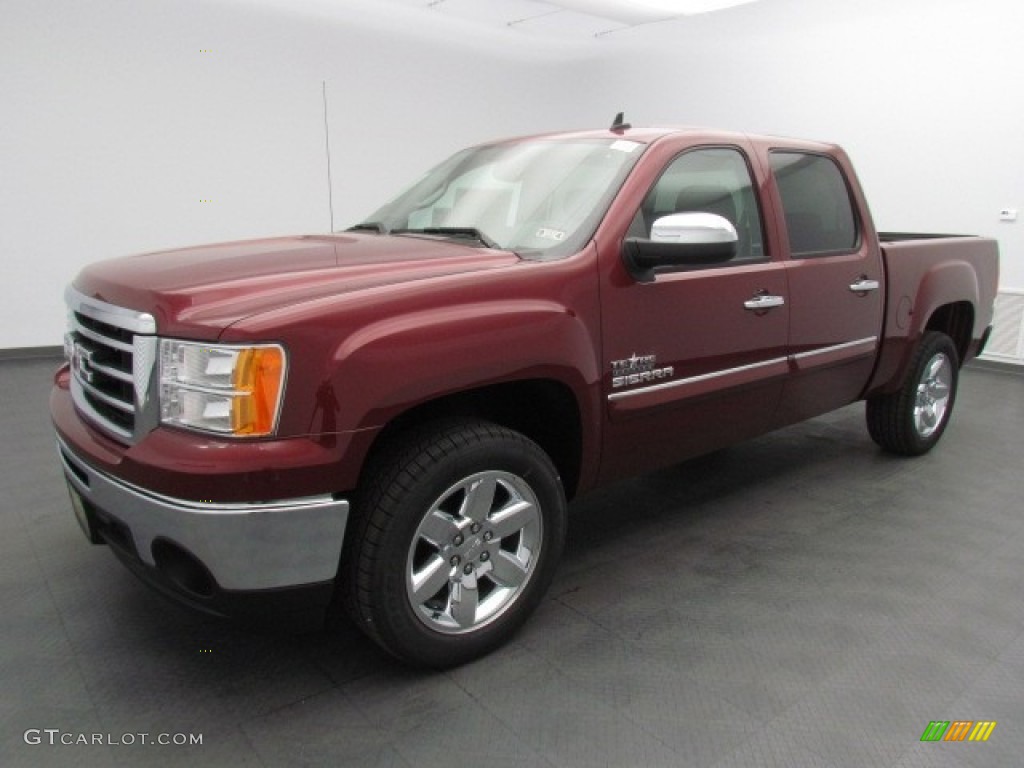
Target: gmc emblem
81	363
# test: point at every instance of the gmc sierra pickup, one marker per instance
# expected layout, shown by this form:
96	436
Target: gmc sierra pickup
391	419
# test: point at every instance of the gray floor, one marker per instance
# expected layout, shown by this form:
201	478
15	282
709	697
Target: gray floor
800	600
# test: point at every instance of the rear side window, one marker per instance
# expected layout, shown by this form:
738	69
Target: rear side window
816	203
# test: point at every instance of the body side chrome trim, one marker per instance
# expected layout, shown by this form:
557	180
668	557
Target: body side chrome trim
695	379
873	340
615	396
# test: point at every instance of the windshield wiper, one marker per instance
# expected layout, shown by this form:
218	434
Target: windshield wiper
471	233
369	226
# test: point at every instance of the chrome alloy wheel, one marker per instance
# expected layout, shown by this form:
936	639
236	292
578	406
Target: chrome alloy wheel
474	552
933	393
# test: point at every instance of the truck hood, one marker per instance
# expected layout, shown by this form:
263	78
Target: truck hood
203	290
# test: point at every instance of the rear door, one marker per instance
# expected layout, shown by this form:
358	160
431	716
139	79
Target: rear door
836	284
695	358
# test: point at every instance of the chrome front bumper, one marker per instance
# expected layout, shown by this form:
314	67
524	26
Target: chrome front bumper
244	547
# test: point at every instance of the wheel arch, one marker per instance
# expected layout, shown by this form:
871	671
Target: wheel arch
948	311
946	301
956	320
544	410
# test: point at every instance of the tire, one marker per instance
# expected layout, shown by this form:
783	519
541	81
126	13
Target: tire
457	537
911	420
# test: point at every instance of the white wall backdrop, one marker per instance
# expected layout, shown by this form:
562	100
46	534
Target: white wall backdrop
119	119
122	118
925	95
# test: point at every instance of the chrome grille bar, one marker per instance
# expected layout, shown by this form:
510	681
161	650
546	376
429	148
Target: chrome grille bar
81	330
111	352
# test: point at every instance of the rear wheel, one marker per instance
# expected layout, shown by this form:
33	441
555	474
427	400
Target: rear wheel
458	536
911	420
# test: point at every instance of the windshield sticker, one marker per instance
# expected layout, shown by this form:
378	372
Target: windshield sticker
551	234
625	146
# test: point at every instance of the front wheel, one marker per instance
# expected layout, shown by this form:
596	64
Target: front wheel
911	420
457	538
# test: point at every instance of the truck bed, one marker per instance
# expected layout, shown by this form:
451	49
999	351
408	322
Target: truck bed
934	271
899	237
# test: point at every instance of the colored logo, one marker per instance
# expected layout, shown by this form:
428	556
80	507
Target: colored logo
958	730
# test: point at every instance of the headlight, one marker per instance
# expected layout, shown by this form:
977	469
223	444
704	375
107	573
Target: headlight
231	390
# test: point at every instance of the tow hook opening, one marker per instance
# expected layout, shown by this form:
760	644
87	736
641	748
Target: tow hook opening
183	569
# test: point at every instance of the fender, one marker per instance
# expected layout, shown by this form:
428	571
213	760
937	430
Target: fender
947	283
400	362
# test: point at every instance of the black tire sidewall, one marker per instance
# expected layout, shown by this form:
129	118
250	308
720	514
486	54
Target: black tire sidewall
397	625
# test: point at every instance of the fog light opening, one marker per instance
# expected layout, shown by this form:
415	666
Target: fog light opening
183	569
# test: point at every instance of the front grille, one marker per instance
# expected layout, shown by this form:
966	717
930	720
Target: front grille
112	352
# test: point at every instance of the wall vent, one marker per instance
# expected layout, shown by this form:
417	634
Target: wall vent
1007	342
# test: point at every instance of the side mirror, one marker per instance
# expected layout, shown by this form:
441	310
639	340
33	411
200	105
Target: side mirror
681	240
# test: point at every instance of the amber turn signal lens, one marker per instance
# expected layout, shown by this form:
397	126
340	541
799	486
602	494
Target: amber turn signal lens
257	380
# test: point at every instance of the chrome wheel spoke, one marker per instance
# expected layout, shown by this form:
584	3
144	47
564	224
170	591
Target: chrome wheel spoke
509	571
479	499
512	519
464	602
438	528
926	420
430	579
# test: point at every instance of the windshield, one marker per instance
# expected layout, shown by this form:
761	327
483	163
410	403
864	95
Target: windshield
539	198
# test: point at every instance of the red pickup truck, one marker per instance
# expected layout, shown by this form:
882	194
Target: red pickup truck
391	419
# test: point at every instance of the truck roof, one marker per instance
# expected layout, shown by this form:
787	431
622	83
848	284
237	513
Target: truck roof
651	134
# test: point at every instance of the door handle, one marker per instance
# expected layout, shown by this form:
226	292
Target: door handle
863	285
764	301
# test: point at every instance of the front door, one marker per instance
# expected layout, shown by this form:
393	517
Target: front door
694	359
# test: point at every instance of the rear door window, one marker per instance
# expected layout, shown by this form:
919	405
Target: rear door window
816	203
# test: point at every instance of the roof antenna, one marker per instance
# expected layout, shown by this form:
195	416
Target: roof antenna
619	125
